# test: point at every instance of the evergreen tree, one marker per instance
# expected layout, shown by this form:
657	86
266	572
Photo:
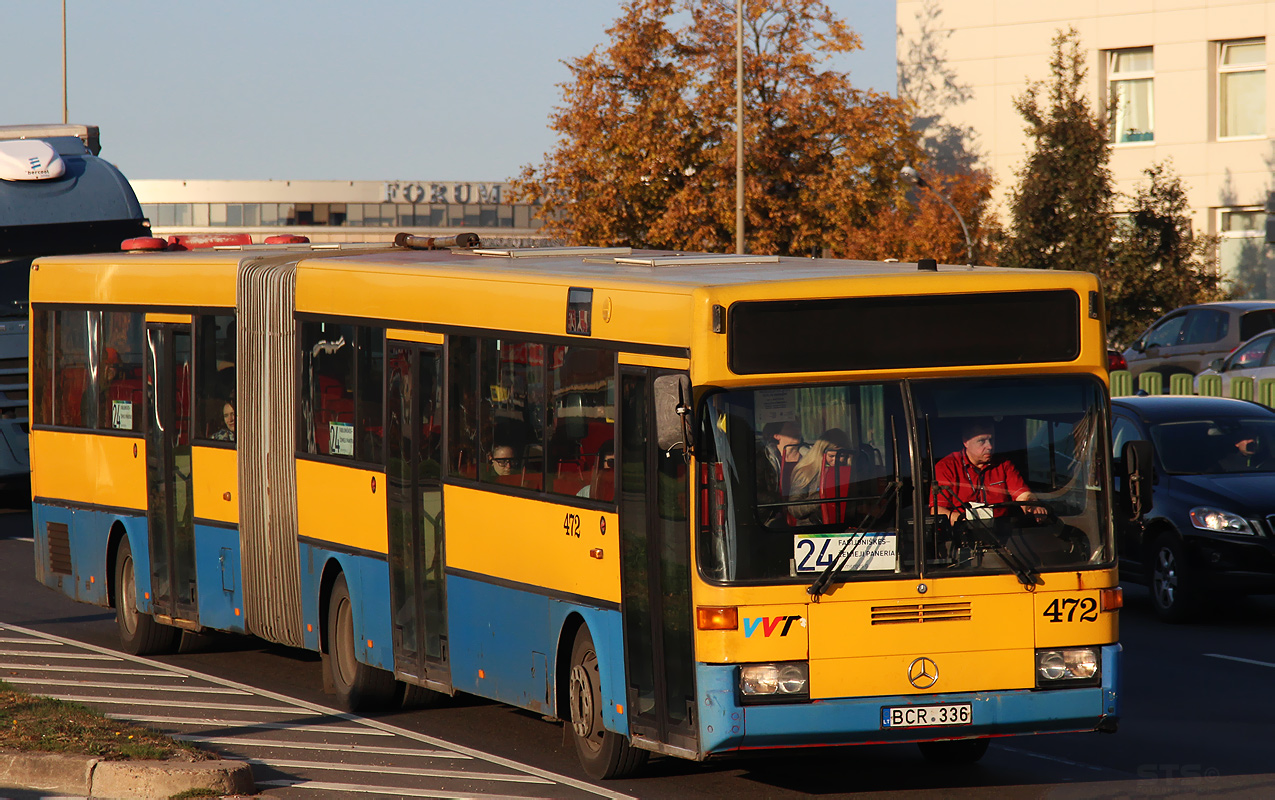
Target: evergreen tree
1060	213
1157	262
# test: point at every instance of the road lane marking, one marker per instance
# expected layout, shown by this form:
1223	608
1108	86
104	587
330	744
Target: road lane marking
5	640
374	727
138	701
363	749
1056	759
141	687
250	725
352	788
416	772
1241	660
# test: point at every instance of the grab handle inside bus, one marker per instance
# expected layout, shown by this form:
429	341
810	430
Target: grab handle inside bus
672	412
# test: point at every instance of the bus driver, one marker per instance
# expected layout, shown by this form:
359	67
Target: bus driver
970	477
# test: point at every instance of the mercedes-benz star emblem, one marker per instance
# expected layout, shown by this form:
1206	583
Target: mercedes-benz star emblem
923	673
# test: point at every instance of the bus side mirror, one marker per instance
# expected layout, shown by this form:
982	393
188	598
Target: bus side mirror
672	412
1138	462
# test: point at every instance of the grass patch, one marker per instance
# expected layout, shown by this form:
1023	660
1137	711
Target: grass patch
42	724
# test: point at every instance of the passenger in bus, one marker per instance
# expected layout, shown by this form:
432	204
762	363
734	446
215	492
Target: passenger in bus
829	451
784	449
971	477
227	431
501	462
602	484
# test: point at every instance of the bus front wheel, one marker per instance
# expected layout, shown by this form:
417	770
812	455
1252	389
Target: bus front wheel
140	634
359	687
954	753
603	754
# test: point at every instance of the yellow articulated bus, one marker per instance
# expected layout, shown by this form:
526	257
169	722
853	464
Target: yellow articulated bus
689	504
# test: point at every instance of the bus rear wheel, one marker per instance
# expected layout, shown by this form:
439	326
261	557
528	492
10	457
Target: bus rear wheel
603	754
359	687
140	634
954	753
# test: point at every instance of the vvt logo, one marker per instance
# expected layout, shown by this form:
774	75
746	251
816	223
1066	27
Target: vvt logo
769	625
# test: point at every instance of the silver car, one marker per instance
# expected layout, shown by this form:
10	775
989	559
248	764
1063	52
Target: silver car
1253	359
1188	339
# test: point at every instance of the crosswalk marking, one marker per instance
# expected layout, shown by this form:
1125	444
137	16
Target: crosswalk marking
248	724
136	701
342	724
363	749
358	788
141	687
148	673
417	772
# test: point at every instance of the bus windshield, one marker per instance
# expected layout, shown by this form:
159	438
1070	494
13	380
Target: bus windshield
795	478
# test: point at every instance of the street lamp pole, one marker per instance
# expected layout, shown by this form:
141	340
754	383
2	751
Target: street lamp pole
913	177
739	127
65	118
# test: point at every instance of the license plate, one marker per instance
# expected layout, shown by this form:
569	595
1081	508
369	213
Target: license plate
926	716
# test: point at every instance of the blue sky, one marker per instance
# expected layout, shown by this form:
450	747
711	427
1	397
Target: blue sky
320	90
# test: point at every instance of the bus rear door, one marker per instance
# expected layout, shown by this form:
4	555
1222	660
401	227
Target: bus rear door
169	505
413	451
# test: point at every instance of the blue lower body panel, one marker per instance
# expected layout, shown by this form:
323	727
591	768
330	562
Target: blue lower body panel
725	725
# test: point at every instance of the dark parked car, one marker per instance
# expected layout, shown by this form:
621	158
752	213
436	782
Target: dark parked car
1210	528
1187	339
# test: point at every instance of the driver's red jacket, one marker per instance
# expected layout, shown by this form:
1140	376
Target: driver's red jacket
957	482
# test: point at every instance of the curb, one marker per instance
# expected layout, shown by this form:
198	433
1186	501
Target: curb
92	776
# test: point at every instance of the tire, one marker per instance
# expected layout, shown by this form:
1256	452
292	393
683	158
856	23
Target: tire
359	687
1173	590
954	753
140	634
603	754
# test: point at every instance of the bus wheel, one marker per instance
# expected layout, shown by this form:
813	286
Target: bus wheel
602	753
359	687
140	634
955	753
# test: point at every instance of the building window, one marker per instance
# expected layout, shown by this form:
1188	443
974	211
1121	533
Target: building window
1131	84
1242	257
1241	69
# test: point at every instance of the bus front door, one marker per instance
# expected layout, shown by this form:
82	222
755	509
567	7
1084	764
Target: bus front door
655	576
169	505
413	451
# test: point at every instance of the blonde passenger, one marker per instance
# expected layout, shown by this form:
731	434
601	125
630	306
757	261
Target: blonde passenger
807	475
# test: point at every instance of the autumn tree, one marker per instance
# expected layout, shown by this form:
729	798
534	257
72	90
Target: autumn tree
646	150
1060	212
921	225
1157	262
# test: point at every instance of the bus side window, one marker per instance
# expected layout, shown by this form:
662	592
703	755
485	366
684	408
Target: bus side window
511	413
42	370
462	400
216	403
120	374
581	449
327	387
371	424
71	369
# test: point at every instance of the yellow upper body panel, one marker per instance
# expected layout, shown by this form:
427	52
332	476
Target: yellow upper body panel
670	308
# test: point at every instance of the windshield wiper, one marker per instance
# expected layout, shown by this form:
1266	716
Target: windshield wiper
831	571
1026	574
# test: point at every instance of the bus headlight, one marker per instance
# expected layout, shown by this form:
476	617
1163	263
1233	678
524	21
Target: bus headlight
1067	666
781	682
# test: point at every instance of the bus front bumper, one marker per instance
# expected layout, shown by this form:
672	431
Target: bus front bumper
725	725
